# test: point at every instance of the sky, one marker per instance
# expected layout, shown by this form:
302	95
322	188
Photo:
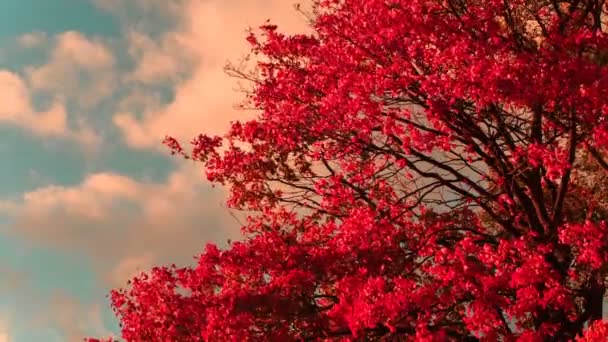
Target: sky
89	197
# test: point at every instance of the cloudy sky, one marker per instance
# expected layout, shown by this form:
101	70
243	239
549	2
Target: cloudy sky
88	195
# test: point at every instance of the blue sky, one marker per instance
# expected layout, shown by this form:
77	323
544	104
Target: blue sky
88	195
24	16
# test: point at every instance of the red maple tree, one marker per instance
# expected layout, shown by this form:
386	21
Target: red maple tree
425	170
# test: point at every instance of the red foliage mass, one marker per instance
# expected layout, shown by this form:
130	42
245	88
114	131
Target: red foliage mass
418	170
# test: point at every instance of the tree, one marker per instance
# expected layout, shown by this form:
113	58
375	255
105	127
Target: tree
428	170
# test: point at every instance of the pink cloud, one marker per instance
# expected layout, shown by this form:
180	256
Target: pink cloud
129	268
32	39
80	71
62	312
121	223
212	32
16	96
72	57
75	47
72	318
18	110
4	329
157	60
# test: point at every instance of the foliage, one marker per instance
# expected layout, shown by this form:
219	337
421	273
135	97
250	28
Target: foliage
426	170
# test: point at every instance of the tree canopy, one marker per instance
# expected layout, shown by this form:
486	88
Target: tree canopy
425	170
